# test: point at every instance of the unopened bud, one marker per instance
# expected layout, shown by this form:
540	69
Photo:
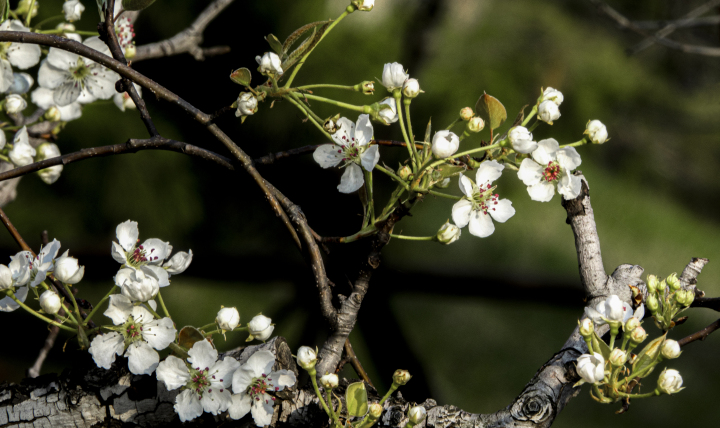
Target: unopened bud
466	113
638	335
652	303
130	51
673	282
416	415
631	324
329	380
586	327
306	358
227	319
448	233
53	114
404	172
670	349
411	88
652	283
50	302
684	297
14	103
364	5
401	377
670	381
662	286
476	124
375	410
617	357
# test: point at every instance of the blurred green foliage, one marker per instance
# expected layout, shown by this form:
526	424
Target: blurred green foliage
654	188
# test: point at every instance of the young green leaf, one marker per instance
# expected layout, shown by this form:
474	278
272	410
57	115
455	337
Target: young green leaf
275	44
188	336
647	357
356	399
600	346
241	76
491	110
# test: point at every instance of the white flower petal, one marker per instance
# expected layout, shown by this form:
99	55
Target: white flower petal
283	378
530	172
104	347
466	186
156	250
262	411
202	355
173	372
127	234
240	405
370	158
546	151
461	212
119	309
363	130
158	273
215	401
345	132
569	186
568	158
187	406
541	192
488	172
23	55
260	363
222	371
352	179
179	262
118	253
159	333
142	359
481	224
101	82
8	305
502	211
328	155
6	75
242	378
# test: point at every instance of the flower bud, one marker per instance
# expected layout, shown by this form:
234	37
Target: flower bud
329	380
548	111
670	349
586	327
65	27
6	279
445	144
247	105
24	6
411	88
388	111
652	283
53	114
50	302
670	381
684	297
448	233
269	64
673	282
227	319
404	172
631	324
466	113
375	410
401	377
591	368
651	302
638	335
260	327
444	183
393	76
72	10
364	5
476	124
522	140
553	95
51	174
596	132
22	152
130	51
662	286
416	415
68	270
14	103
617	357
21	84
306	357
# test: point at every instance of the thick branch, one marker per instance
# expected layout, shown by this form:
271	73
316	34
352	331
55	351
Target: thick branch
188	40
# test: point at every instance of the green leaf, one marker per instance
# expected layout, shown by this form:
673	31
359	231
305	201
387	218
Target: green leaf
428	131
305	47
4	10
295	36
491	110
136	4
600	346
275	44
356	399
188	336
647	357
449	170
241	76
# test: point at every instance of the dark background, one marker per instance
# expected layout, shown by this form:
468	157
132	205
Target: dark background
472	321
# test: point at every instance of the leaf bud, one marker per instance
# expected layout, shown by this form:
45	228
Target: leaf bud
652	283
638	335
662	286
466	113
476	124
586	327
617	357
50	302
684	297
673	282
401	377
670	349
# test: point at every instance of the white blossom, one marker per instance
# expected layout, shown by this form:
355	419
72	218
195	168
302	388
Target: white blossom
260	327
14	103
548	112
389	114
596	131
204	379
125	34
551	165
139	285
251	383
50	302
329	380
393	76
21	55
670	381
411	88
123	101
670	349
247	104
481	206
613	309
366	5
352	149
445	144
141	335
522	140
73	78
47	151
227	318
68	270
22	82
306	357
179	262
6	279
269	63
22	152
417	414
553	95
73	9
591	368
43	98
448	233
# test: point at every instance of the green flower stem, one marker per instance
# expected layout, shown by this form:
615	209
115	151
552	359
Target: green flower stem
179	350
575	144
370	230
29	14
82	33
532	114
52	18
162	305
330	406
313	374
454	122
155	314
533	126
5	158
393	175
74	302
210	333
467	152
407	102
33	312
397	193
588	342
413	238
614	329
350	9
309	116
367	422
307	109
409	424
370	201
393	388
208	326
99	304
354	88
649	394
626	340
398	95
361	109
444	195
600	396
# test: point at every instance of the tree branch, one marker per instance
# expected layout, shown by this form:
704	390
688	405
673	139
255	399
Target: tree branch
700	335
188	40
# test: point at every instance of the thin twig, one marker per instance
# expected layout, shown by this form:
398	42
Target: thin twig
14	233
679	23
272	157
706	302
350	355
700	335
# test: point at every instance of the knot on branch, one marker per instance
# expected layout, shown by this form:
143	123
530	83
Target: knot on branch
533	406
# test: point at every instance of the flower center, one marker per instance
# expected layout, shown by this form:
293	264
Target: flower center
259	386
484	199
140	256
132	331
351	150
80	72
552	172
